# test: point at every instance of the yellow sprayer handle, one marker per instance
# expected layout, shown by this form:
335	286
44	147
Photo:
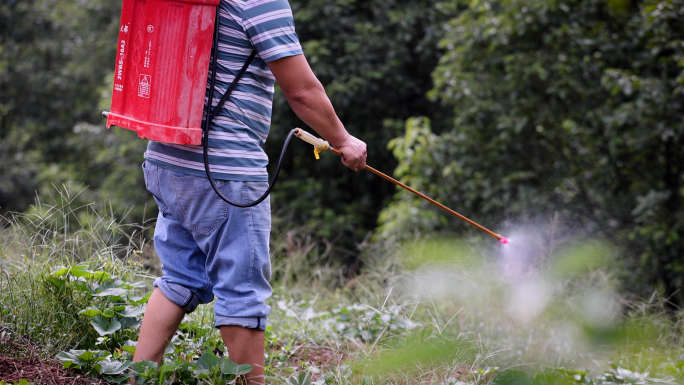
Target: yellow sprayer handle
318	143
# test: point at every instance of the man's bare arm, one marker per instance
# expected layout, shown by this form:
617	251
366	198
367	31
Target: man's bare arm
308	100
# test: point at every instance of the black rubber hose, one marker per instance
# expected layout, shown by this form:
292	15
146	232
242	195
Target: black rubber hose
210	114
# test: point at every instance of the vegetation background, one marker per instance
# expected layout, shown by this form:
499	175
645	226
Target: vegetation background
561	116
504	110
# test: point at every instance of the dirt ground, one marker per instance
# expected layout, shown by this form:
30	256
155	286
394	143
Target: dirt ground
20	361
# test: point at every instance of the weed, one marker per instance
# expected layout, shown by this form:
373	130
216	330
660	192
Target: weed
36	304
428	312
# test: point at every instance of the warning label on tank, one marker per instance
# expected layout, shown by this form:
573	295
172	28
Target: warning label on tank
144	86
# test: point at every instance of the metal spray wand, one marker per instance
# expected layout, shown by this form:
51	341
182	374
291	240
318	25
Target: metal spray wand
321	145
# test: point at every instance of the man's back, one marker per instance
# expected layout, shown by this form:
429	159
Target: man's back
242	126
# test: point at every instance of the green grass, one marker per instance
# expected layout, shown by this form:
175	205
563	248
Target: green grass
433	311
33	245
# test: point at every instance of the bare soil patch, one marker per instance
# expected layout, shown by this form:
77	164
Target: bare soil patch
21	361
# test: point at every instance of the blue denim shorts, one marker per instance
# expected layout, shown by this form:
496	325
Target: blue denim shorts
209	248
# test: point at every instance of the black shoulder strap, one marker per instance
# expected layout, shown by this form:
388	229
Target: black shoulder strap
230	89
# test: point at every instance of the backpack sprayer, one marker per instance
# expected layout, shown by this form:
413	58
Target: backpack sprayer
160	82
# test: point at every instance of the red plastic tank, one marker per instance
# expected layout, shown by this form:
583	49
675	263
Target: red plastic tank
161	68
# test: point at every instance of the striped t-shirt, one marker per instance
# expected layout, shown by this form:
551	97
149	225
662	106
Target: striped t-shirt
238	132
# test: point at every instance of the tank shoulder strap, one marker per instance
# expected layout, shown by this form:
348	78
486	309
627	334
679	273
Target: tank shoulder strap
230	89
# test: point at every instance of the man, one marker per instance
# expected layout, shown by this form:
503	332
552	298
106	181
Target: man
210	249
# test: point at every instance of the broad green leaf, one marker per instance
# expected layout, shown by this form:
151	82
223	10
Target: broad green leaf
81	285
90	311
60	271
143	366
129	322
105	326
140	300
302	379
132	311
70	359
230	367
93	355
101	275
128	349
86	274
108	313
76	271
207	362
59	283
114	367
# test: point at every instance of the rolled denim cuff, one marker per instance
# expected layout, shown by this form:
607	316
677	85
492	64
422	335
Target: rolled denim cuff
258	323
178	294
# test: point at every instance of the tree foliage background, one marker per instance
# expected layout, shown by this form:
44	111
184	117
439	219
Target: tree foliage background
505	110
562	106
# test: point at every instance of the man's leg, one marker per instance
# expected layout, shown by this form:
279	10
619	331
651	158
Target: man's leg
160	322
246	346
